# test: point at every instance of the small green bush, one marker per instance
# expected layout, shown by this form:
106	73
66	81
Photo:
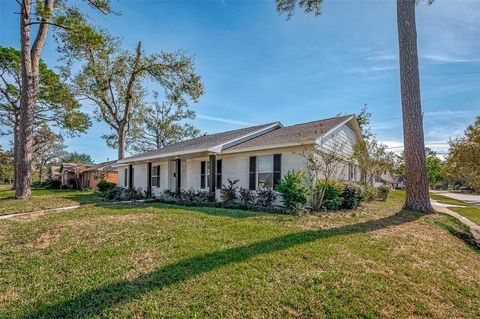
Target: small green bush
293	190
352	196
383	191
332	198
104	186
369	193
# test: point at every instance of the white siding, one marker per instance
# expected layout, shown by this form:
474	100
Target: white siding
237	166
140	177
163	177
121	176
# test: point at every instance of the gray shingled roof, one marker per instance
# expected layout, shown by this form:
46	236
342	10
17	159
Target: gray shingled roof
104	166
201	143
295	133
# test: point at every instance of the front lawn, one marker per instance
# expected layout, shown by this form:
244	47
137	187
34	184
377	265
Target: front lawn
471	213
450	201
156	261
43	199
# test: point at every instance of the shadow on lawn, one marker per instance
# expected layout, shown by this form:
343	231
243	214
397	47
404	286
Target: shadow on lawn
95	301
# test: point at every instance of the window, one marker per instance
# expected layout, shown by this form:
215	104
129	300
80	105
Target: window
265	172
205	174
351	172
125	177
156	176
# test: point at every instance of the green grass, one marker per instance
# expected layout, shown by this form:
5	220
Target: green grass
447	200
156	261
471	213
43	199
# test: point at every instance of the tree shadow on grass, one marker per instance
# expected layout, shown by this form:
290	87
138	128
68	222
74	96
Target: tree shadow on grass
95	301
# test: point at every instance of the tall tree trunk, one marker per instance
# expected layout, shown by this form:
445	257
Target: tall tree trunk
30	60
27	101
16	143
121	141
417	198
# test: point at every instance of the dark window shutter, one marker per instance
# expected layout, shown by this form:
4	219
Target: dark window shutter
125	177
219	173
277	169
202	174
149	178
253	173
158	175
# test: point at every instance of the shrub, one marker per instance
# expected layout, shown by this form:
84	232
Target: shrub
119	194
167	198
228	193
438	186
332	198
265	197
104	186
247	196
369	193
293	190
352	196
383	191
53	184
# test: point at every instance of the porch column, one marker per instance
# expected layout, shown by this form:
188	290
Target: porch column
213	180
149	179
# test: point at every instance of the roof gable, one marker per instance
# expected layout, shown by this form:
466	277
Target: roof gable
299	133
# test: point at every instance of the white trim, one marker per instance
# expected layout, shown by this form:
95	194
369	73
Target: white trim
267	147
157	156
219	148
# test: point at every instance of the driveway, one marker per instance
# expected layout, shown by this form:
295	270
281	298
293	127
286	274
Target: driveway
468	198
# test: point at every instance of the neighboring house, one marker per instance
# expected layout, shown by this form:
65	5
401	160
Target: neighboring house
103	171
70	173
384	179
80	175
55	173
257	156
399	182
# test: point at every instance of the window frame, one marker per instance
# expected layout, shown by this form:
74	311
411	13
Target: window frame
258	171
155	176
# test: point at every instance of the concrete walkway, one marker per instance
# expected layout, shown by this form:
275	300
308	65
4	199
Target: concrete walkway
39	212
443	208
467	198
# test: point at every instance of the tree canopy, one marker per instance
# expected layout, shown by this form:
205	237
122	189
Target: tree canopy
56	104
161	124
75	157
116	79
463	160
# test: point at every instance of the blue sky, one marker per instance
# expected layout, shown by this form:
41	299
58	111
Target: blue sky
258	67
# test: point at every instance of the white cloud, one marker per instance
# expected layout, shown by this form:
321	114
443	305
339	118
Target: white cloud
443	58
223	120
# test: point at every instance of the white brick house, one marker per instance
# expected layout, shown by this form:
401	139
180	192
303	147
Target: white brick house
257	156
